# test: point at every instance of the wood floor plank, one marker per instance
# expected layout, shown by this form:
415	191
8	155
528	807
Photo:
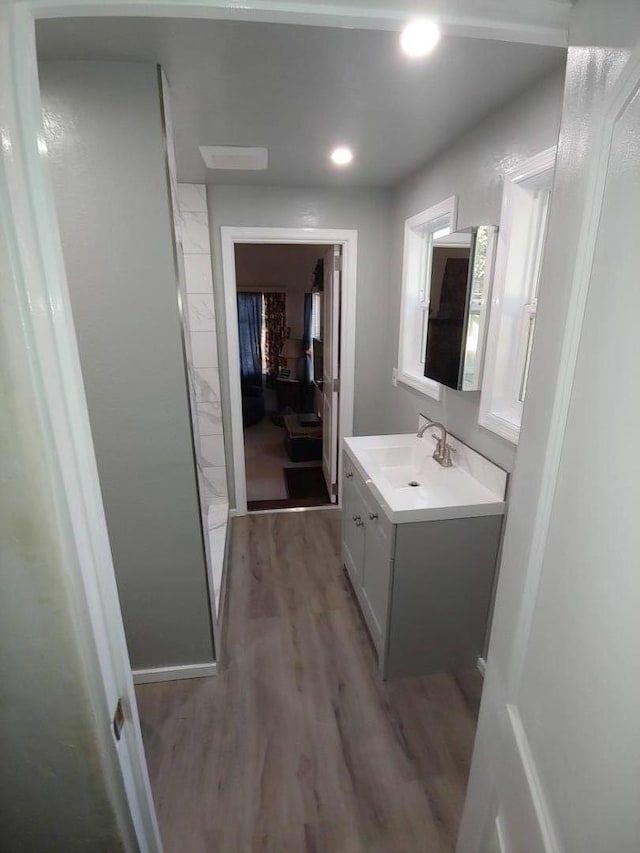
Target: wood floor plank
297	745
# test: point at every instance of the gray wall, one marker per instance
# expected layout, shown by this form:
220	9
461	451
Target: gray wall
473	169
107	153
368	212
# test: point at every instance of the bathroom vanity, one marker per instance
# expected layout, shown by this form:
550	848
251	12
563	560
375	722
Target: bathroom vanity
421	557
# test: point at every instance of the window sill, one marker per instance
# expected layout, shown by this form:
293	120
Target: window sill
420	383
502	425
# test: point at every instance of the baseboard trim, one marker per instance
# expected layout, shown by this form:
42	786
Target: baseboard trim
173	673
482	666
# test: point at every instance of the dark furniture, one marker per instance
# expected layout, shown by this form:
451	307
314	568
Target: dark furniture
289	393
252	405
302	443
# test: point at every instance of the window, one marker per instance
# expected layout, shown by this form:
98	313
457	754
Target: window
521	239
419	233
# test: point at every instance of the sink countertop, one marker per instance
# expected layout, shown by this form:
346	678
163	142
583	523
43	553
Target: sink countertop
473	486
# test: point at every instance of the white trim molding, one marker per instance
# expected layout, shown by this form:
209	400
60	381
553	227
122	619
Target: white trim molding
546	22
348	239
414	301
173	673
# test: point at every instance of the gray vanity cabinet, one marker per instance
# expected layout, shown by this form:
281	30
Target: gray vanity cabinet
424	588
367	546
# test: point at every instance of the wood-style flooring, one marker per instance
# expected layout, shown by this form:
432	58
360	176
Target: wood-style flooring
297	745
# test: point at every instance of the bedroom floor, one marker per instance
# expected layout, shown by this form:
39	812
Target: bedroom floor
297	744
265	461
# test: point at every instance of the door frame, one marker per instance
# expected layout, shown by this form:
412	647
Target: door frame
230	236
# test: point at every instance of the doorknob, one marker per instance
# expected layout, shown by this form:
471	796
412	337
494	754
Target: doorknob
373	516
349	475
357	518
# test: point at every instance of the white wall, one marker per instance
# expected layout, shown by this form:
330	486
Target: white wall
472	169
367	211
201	347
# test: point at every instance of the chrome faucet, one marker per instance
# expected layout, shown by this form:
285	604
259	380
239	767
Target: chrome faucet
442	453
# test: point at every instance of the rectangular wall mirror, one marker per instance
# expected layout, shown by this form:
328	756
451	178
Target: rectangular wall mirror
460	290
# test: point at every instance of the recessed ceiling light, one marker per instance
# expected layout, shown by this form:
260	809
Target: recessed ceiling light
341	156
419	37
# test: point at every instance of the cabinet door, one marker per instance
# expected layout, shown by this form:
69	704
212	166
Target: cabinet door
376	582
353	516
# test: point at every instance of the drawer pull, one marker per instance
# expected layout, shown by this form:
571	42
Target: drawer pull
349	475
373	516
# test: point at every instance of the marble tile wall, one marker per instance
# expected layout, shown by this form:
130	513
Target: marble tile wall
204	377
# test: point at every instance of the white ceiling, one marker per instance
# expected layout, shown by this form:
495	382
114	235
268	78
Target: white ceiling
300	90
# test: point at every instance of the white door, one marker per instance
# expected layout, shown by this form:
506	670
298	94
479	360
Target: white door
557	760
331	368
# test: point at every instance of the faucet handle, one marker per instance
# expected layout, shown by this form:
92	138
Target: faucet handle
446	455
447	445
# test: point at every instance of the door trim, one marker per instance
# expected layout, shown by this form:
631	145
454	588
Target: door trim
348	239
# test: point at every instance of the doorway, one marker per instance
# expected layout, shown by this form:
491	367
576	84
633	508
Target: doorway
289	297
280	289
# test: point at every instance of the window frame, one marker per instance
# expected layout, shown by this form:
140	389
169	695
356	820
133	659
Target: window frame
521	242
414	303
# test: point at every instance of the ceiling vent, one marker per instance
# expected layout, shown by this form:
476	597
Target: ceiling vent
234	157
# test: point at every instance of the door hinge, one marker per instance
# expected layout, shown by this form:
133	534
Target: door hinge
334	489
118	720
337	263
335	386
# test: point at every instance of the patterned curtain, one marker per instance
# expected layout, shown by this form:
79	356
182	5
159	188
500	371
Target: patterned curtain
275	322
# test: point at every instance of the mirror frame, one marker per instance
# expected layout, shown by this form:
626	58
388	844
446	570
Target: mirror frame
482	295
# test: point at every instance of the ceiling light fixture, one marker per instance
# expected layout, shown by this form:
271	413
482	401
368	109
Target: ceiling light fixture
341	156
419	37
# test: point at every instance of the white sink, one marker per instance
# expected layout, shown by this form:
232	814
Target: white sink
403	466
411	486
